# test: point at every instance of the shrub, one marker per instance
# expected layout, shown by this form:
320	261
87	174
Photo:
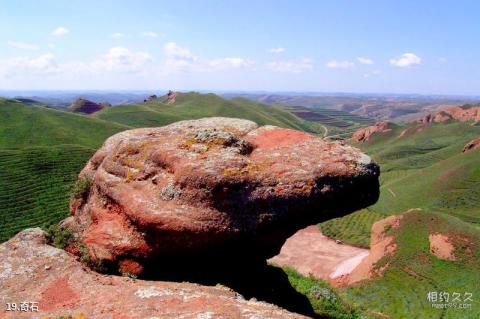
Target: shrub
129	275
82	187
59	237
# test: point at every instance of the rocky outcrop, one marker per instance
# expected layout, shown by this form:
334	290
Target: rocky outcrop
458	113
364	134
382	244
472	145
39	276
213	190
150	98
171	97
82	105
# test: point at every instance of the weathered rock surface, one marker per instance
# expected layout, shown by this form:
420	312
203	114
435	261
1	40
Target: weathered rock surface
33	272
214	188
364	134
472	145
457	113
171	97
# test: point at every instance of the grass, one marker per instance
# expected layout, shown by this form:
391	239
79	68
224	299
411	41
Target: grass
41	153
195	105
423	170
42	150
340	124
353	228
413	271
23	125
324	299
35	185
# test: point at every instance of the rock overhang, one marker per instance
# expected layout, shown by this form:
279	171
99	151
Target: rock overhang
212	183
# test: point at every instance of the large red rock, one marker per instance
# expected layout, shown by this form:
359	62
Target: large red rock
364	134
58	285
218	187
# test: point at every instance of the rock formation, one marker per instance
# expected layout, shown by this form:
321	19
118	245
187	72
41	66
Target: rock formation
82	105
472	145
171	97
150	98
52	281
217	187
458	113
364	134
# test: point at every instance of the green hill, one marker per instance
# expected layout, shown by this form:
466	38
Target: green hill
425	168
23	125
42	150
412	273
195	105
338	124
41	153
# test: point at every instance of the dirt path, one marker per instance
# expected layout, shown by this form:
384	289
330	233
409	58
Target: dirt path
310	252
325	133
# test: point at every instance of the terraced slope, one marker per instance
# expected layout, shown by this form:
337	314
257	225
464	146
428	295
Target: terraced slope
41	152
35	184
195	105
425	168
339	124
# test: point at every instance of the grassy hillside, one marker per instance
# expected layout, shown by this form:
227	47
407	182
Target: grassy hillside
42	150
41	153
195	105
339	124
425	169
413	271
23	125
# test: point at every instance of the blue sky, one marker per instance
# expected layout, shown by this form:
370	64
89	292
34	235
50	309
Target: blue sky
429	47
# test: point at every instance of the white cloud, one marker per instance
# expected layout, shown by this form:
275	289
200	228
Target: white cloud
149	34
43	64
292	66
276	50
119	59
179	58
60	31
442	60
236	63
118	35
373	73
334	64
364	60
22	45
406	60
184	60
